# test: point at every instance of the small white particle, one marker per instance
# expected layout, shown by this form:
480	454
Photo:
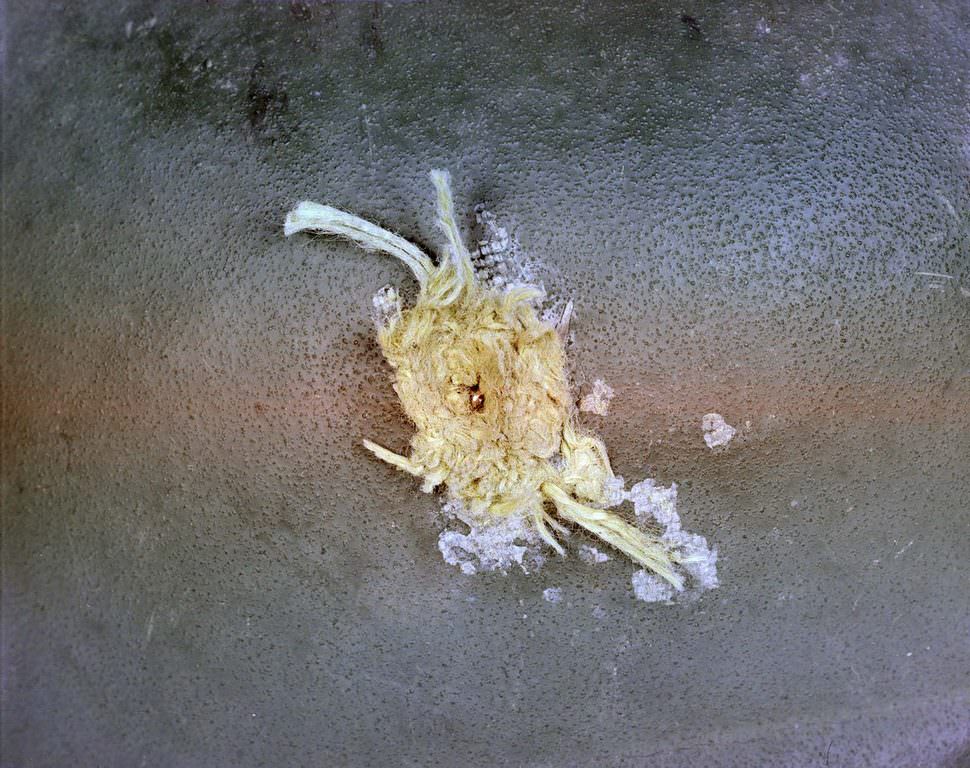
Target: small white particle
387	306
592	555
597	400
904	549
716	431
552	594
656	501
650	588
614	491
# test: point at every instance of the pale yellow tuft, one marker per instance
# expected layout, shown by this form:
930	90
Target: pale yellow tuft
482	378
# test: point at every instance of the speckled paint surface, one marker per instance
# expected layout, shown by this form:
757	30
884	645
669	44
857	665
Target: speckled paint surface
203	567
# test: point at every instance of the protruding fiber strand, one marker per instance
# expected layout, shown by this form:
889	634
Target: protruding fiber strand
331	221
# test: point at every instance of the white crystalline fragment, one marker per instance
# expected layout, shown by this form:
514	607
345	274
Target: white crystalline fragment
650	499
698	559
650	588
452	509
386	299
597	400
493	546
387	305
498	260
497	239
552	594
704	569
614	489
716	430
592	555
490	548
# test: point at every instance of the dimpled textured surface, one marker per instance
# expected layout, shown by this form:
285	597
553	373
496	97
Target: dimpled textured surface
758	212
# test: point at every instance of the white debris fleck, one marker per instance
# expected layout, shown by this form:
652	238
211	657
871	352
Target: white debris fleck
492	546
650	499
716	430
597	400
904	549
498	260
614	490
650	588
698	559
496	238
762	27
592	555
387	306
552	594
660	503
599	613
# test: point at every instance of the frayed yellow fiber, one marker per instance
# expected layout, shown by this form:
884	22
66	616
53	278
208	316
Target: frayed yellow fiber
482	378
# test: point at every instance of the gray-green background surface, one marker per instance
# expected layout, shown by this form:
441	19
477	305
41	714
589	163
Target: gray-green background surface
203	567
